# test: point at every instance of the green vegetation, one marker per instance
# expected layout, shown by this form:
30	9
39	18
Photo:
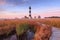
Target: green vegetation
21	28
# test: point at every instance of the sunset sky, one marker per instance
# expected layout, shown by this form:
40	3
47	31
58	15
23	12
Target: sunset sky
19	8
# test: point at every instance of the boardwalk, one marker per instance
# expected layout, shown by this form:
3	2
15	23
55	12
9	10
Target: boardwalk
55	34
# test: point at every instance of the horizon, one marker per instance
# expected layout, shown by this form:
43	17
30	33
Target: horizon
20	8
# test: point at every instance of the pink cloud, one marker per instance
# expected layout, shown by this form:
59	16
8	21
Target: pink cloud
13	2
53	13
2	2
7	14
47	13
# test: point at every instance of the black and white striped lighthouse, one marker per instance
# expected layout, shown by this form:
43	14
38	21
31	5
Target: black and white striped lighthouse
30	12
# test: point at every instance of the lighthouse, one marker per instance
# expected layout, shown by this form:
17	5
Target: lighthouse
30	12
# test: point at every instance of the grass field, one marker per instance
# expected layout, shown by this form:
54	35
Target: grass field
20	25
7	25
53	22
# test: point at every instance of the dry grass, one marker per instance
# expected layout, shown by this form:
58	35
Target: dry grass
53	22
9	25
6	26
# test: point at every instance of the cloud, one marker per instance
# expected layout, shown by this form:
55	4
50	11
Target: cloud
14	2
25	0
8	14
2	2
2	9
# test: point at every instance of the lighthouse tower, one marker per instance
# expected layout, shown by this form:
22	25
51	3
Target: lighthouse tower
30	12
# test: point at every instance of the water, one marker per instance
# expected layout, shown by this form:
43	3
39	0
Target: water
55	34
13	37
30	36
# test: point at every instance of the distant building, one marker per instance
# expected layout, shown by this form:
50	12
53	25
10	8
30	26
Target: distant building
39	16
26	17
34	17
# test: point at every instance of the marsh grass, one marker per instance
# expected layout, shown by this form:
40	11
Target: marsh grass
21	28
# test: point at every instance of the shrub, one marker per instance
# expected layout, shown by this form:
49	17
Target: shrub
21	28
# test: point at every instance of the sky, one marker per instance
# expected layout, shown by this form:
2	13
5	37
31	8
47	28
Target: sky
20	8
